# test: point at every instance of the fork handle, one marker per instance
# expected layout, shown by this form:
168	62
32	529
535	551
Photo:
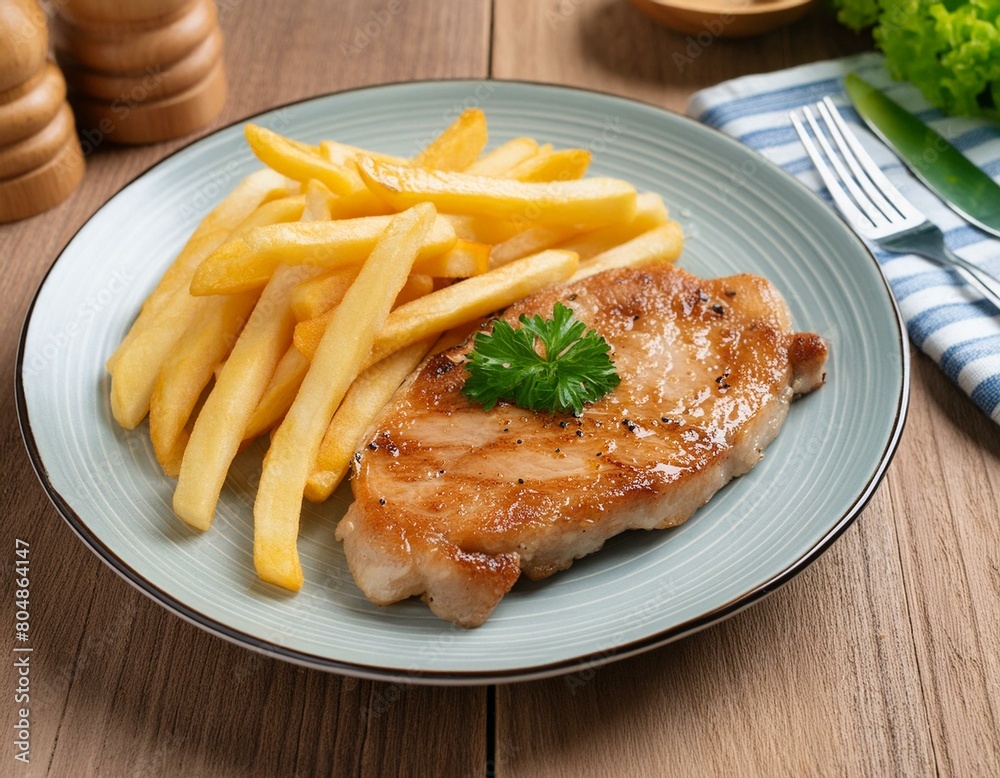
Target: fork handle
986	284
939	253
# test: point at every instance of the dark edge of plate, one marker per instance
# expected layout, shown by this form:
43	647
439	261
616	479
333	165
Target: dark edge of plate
431	677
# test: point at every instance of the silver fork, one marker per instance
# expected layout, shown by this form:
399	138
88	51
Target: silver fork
872	205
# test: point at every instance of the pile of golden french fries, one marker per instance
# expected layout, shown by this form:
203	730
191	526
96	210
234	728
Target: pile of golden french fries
305	298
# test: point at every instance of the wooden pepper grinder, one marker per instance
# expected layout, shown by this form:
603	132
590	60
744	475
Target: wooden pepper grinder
40	158
140	71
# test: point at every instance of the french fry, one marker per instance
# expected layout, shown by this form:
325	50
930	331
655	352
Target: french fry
277	210
367	396
462	260
220	427
337	362
503	158
309	333
562	165
135	368
470	299
662	244
317	201
189	369
596	201
255	189
292	367
320	294
171	463
343	154
280	211
357	204
530	241
481	229
458	146
299	161
279	394
223	420
247	263
650	213
417	285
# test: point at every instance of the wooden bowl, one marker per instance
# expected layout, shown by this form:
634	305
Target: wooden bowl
723	18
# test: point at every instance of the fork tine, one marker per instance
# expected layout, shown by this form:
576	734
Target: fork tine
840	197
827	109
875	216
900	203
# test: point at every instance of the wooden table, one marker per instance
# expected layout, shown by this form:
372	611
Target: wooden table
882	658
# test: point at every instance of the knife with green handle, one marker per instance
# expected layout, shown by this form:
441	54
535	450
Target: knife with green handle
942	167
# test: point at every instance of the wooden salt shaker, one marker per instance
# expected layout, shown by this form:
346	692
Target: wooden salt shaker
40	158
140	71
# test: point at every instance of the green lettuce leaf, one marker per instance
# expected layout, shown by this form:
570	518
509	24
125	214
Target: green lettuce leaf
949	50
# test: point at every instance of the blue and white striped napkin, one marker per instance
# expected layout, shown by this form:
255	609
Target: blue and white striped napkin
946	319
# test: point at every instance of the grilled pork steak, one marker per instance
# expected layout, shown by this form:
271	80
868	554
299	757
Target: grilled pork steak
452	502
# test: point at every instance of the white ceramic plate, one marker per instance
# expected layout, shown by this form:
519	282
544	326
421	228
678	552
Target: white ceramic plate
644	589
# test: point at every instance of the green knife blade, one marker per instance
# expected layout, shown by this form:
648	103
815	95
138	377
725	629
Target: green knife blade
942	167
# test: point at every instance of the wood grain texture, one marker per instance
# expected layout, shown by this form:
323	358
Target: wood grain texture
119	686
946	489
880	659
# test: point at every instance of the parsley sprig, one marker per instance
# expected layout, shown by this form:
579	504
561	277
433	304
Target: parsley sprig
573	369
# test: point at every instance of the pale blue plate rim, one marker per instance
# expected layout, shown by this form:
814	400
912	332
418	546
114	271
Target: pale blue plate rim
433	677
